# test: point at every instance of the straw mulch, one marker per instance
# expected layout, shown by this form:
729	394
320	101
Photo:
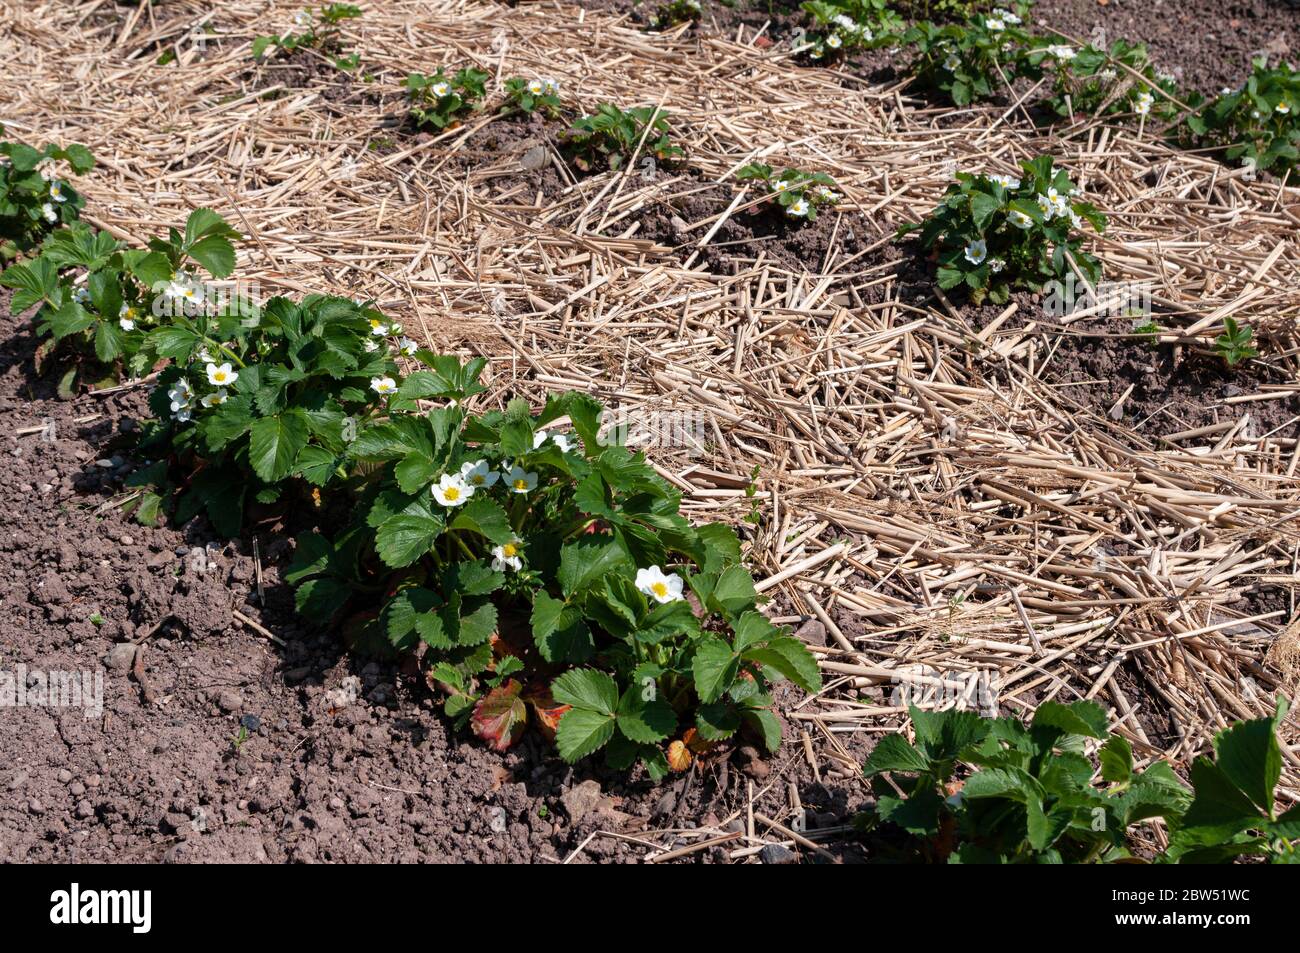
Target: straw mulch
925	494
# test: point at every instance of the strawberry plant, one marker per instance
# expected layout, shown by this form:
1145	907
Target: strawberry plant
543	571
1090	81
321	33
34	199
609	136
677	11
800	194
439	100
971	61
850	25
1031	797
534	95
993	233
1034	795
1233	811
1234	344
1258	124
260	402
98	301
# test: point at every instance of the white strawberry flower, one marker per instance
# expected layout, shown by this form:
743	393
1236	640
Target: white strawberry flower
302	19
520	480
1142	104
951	62
441	89
451	490
383	385
1006	181
506	556
1045	203
126	317
1075	220
51	216
780	185
844	22
552	85
1007	16
1060	207
371	346
977	251
407	346
1283	108
536	87
179	396
995	24
81	295
798	208
205	356
834	42
996	265
827	194
56	192
215	399
221	375
378	328
183	287
563	442
1019	219
658	585
1061	52
478	474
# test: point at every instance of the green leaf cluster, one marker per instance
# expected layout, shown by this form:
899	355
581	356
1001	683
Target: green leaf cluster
34	201
1063	789
562	556
608	137
1257	125
439	100
800	194
995	233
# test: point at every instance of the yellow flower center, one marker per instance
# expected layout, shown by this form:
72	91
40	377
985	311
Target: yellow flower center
219	377
509	551
477	479
452	493
521	484
659	589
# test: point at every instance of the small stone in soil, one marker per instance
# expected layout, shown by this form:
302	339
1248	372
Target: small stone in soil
776	854
579	800
229	701
251	722
120	656
497	819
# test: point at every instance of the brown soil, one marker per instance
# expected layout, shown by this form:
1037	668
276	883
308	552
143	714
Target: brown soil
303	69
326	774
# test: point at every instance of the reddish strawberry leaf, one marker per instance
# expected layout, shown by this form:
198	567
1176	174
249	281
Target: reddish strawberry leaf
500	716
